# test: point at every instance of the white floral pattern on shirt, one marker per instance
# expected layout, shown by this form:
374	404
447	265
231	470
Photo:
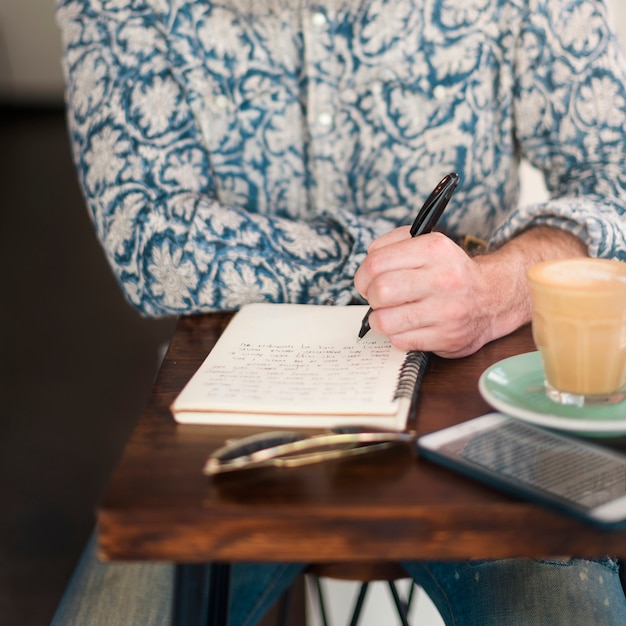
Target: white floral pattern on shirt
244	150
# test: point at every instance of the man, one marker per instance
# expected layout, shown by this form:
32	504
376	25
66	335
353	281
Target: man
269	150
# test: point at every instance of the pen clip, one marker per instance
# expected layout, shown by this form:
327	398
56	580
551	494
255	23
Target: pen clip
430	213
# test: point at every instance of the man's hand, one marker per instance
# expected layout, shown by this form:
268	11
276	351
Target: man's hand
428	294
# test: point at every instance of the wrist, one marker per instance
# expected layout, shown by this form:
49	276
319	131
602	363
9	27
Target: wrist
504	292
504	295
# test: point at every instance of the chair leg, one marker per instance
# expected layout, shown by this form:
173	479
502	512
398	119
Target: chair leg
409	599
356	612
401	607
201	594
320	600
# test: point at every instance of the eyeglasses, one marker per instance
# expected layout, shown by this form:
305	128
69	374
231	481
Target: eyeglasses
293	449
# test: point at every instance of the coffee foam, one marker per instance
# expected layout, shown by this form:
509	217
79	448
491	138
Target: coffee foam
579	272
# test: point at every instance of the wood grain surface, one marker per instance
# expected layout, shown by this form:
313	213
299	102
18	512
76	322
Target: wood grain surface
385	506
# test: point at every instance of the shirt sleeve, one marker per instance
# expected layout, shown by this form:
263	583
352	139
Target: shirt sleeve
174	248
570	112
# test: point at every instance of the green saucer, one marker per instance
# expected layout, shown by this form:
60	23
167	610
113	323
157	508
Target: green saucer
514	386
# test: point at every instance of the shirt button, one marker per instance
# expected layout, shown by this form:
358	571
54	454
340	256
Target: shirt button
439	92
221	101
319	19
325	118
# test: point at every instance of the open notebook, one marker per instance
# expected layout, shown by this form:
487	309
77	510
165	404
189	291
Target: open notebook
296	365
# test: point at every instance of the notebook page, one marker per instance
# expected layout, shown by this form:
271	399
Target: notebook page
297	359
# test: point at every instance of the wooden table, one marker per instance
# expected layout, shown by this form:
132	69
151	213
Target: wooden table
382	507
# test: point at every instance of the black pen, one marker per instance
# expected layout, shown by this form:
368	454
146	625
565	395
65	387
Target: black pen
425	221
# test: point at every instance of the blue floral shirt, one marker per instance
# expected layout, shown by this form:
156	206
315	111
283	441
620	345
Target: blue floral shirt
249	150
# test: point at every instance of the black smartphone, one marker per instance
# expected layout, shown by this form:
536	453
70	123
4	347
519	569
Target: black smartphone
573	475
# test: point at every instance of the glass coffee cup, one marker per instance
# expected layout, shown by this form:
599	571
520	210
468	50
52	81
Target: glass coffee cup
579	328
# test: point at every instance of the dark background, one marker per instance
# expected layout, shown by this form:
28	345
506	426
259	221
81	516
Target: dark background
77	364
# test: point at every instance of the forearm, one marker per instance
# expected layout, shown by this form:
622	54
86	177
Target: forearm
189	225
503	287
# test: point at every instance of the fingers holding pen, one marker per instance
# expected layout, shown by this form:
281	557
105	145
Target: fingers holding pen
386	258
422	292
393	236
389	253
388	277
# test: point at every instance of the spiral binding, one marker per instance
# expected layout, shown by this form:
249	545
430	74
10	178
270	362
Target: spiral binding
411	373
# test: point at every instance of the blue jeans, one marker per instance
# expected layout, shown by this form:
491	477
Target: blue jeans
514	592
140	594
520	592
